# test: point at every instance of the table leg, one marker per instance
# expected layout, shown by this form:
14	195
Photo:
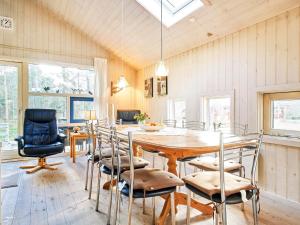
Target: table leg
180	198
71	147
74	150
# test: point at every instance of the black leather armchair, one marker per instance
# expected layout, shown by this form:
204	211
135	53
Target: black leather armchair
127	116
40	138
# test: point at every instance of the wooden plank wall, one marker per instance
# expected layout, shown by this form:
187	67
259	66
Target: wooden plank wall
39	35
263	56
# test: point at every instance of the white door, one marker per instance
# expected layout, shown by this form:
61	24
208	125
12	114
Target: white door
10	107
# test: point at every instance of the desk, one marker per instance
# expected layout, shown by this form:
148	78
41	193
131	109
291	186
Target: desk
177	143
78	136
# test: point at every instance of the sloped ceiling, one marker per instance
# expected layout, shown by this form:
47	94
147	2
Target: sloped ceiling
101	20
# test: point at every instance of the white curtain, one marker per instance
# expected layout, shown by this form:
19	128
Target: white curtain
101	88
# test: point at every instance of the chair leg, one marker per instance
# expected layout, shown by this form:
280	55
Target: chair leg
98	189
188	207
91	179
153	160
185	172
180	169
173	215
144	206
87	174
224	214
254	209
216	216
110	201
117	206
153	211
130	208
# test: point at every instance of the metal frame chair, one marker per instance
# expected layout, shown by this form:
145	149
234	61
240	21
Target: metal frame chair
125	186
91	154
220	198
105	135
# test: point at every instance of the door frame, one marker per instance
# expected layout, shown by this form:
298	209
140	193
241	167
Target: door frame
13	154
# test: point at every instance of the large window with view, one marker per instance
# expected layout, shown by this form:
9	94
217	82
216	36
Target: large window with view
282	113
54	86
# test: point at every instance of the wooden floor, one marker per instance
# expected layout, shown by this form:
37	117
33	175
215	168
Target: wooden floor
58	197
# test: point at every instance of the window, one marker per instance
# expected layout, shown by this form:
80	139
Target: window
218	110
50	102
177	111
282	113
78	107
173	10
69	90
60	80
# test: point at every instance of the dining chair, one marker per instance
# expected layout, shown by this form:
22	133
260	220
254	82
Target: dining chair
224	188
190	125
93	154
141	183
108	165
211	163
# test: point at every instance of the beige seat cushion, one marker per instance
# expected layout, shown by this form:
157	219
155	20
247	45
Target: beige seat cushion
212	164
209	182
149	179
107	153
125	162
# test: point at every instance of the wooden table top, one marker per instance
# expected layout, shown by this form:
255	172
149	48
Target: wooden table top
178	140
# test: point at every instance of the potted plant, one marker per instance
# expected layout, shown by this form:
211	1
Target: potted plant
141	118
46	89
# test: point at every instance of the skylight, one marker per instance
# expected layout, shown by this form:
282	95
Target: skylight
173	10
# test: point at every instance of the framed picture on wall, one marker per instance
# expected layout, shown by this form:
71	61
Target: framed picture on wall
148	89
162	86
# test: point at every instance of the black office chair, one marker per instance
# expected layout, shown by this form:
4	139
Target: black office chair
40	138
127	116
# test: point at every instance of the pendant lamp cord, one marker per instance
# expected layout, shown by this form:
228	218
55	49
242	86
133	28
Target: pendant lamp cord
161	42
122	41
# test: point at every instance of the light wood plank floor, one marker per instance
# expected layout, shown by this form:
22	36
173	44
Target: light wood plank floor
58	198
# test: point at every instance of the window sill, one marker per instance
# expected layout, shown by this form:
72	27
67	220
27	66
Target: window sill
286	141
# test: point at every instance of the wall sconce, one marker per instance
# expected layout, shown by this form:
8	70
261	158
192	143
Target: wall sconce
122	83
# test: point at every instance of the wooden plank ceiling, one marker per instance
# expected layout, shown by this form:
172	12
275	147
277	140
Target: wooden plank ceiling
101	20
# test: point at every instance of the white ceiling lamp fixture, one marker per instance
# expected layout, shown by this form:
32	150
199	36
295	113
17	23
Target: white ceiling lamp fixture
161	69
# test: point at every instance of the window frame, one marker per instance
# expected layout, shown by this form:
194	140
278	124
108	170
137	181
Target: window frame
28	93
204	109
268	113
75	99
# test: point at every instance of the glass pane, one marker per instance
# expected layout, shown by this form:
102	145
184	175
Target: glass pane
179	108
219	111
51	102
286	114
80	107
58	79
8	106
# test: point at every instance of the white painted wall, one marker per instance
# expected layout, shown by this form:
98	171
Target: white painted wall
41	36
265	56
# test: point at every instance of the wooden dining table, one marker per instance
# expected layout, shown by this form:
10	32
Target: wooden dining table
179	143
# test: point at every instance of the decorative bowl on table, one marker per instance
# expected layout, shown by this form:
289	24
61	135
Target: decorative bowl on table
152	126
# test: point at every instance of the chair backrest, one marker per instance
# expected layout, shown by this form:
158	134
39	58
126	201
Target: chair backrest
193	125
40	126
224	156
235	128
252	149
170	123
121	141
127	116
104	137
